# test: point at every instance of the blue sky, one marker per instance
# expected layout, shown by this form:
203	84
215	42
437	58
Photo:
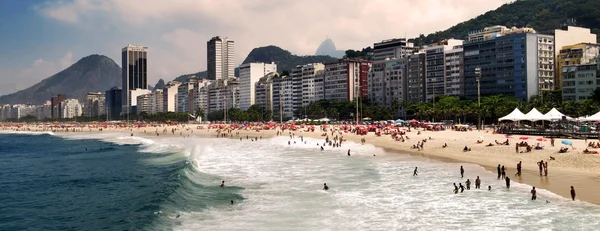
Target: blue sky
39	38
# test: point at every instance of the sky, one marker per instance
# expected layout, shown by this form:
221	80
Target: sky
39	38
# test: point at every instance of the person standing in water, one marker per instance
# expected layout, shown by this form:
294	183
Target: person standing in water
462	172
468	183
541	166
518	169
325	187
348	152
462	188
572	193
222	184
415	172
499	172
533	194
507	182
503	172
455	189
478	183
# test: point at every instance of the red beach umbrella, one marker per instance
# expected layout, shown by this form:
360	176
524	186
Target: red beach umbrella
524	138
541	139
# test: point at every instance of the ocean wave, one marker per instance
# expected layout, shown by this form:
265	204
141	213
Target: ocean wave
26	132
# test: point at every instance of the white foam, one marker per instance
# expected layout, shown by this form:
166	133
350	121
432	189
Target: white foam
26	132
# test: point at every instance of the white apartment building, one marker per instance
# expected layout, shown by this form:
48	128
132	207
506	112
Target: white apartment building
283	98
220	58
223	94
157	101
170	96
133	94
546	65
144	103
386	82
493	32
95	104
71	108
185	96
392	48
250	73
455	76
308	84
264	92
435	58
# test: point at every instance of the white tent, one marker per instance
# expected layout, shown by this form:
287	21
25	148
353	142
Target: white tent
515	115
556	115
535	115
594	117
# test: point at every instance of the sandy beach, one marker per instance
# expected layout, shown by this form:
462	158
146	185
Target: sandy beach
568	169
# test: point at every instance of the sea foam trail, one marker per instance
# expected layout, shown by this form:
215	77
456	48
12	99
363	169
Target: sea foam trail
26	132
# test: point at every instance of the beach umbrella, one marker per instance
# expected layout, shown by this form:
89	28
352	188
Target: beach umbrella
541	139
508	137
566	142
413	121
523	138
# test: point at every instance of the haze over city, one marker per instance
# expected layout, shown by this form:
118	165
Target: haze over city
42	38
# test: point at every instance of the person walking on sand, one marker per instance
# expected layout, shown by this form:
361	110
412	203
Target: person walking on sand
462	172
572	193
477	183
499	172
533	194
416	173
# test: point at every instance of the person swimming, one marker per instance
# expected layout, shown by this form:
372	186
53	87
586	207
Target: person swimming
489	188
231	202
325	187
222	184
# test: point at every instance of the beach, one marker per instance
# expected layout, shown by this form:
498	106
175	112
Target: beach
568	169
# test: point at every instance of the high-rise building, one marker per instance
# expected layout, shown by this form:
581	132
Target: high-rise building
581	53
54	103
392	48
415	78
220	58
283	98
312	83
386	82
455	76
346	79
133	94
71	108
250	73
170	96
95	104
572	35
435	69
134	60
264	93
144	104
580	80
223	95
185	96
114	103
516	64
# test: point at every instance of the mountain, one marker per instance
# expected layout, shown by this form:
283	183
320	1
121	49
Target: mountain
284	59
160	84
327	47
541	15
93	73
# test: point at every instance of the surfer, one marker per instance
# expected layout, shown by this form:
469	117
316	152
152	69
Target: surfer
222	184
325	187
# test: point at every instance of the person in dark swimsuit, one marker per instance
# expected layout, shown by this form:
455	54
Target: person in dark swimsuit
507	182
533	194
416	172
325	187
222	184
572	193
462	172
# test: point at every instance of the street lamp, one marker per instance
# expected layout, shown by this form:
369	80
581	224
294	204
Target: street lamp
478	77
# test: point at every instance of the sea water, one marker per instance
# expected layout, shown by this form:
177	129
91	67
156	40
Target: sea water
125	182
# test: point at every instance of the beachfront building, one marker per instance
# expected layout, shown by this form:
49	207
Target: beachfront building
18	111
581	53
132	101
264	93
580	80
220	58
134	75
415	78
455	76
346	79
144	104
170	96
71	108
283	98
113	104
250	73
223	94
157	101
5	112
515	64
386	82
393	49
55	108
185	96
95	104
200	93
569	36
435	67
307	84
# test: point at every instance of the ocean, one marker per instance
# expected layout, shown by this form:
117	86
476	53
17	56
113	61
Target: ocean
50	182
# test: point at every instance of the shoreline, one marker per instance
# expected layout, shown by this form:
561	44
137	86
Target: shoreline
563	172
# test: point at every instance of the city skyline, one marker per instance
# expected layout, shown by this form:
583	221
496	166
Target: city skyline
48	36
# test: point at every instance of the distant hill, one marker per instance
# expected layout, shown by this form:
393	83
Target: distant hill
93	73
285	60
327	47
541	15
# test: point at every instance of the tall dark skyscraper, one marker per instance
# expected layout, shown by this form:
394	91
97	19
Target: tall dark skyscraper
134	60
220	58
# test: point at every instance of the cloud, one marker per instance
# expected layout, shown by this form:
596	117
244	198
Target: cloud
37	71
176	31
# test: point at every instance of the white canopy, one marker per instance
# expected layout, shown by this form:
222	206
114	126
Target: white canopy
515	115
594	117
556	115
535	115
